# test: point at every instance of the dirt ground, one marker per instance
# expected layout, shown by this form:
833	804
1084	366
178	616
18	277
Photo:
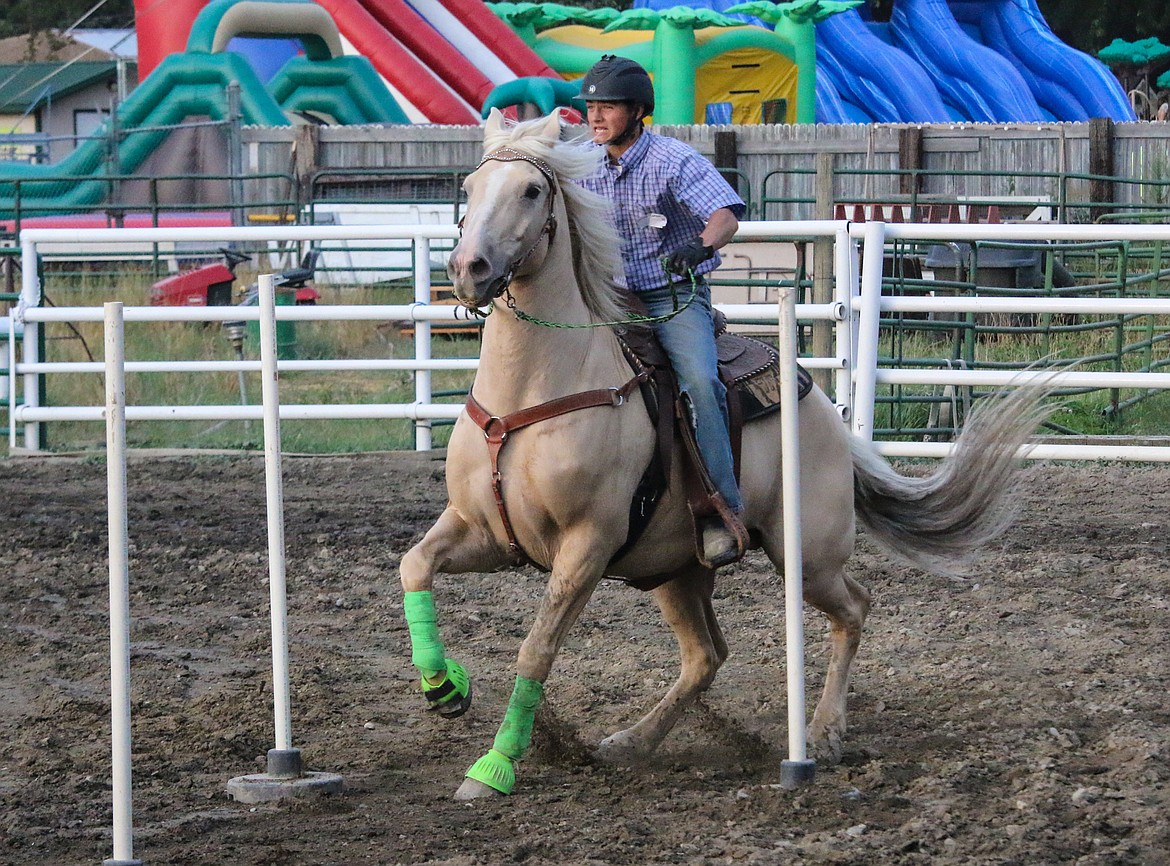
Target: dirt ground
1017	717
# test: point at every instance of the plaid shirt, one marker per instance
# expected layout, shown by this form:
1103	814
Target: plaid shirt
661	177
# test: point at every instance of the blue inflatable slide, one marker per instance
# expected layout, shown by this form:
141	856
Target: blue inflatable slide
958	60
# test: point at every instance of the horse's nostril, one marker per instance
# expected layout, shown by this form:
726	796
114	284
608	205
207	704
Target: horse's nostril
479	267
475	267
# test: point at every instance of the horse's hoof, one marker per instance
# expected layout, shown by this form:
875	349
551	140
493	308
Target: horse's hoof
621	748
471	789
827	748
455	707
451	697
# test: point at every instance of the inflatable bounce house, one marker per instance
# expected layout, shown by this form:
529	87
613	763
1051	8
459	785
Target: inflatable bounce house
959	60
347	61
450	61
334	61
713	61
826	61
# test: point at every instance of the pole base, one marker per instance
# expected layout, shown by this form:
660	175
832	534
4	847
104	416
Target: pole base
263	788
121	863
284	763
794	774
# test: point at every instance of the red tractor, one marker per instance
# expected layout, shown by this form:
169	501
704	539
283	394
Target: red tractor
211	285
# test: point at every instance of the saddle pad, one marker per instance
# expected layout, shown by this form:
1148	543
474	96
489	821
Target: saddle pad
752	367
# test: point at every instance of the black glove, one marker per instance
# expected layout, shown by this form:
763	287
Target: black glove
685	259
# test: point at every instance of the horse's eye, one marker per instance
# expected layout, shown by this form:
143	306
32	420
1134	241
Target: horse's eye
533	191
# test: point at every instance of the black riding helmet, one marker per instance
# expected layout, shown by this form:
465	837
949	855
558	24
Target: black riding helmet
617	79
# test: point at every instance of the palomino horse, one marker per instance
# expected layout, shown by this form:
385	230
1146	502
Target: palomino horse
558	495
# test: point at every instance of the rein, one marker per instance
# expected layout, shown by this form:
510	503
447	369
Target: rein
631	319
496	430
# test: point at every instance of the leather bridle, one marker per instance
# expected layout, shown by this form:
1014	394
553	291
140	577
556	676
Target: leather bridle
507	154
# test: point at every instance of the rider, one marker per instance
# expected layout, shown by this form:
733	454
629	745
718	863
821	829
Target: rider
673	210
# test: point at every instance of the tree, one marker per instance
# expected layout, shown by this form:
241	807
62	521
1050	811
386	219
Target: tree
22	17
1090	25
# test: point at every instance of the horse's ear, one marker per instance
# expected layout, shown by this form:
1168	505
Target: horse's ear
495	122
552	126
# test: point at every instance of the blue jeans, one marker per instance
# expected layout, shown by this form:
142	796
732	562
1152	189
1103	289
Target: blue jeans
689	343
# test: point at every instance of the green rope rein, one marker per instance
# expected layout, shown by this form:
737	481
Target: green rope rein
634	318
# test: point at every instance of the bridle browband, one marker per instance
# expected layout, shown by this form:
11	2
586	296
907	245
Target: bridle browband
508	154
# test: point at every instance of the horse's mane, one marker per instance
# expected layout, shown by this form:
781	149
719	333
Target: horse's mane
595	242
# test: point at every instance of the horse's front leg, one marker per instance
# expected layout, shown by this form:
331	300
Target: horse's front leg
575	574
454	546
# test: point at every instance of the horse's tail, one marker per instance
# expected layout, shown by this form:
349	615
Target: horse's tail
941	521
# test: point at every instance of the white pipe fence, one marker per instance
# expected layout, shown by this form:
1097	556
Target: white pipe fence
422	411
869	305
855	313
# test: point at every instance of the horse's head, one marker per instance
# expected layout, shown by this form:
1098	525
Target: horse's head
511	215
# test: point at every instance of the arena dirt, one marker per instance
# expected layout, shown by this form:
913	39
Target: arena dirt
1017	717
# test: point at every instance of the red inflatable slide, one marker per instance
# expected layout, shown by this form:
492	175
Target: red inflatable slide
419	69
442	57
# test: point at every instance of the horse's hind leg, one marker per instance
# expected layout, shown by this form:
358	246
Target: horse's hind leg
846	603
686	606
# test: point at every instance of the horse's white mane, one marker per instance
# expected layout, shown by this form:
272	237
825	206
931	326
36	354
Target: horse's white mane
595	242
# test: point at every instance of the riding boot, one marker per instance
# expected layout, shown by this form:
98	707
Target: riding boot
723	537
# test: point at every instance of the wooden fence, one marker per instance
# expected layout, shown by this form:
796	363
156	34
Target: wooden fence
1084	170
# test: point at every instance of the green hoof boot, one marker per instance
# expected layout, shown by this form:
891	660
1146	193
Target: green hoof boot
494	770
451	697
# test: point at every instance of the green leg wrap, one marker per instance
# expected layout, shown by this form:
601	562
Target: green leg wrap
451	694
515	733
496	769
426	645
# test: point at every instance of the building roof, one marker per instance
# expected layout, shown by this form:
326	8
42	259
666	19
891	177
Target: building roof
27	85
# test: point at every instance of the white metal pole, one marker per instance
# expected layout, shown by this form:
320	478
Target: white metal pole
11	374
846	280
30	296
285	776
275	502
422	340
797	769
119	542
869	320
854	323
